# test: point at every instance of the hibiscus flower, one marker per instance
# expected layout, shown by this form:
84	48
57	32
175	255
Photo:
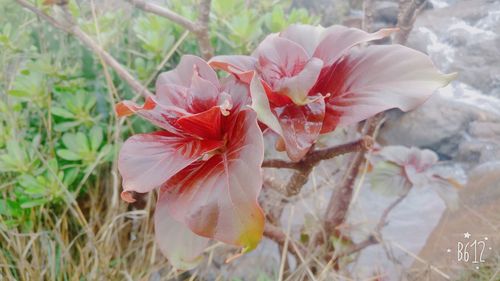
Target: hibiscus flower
313	79
205	161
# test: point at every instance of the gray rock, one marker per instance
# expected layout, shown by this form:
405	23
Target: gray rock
457	122
463	37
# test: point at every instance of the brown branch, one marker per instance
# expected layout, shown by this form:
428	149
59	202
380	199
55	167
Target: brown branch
408	11
305	166
164	12
200	28
315	156
376	237
203	31
274	233
67	25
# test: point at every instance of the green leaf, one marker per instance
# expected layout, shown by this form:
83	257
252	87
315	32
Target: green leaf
95	138
61	112
82	142
64	126
68	155
34	203
70	176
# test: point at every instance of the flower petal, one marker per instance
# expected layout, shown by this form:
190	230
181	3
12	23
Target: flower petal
301	126
279	58
238	65
159	115
146	161
260	104
206	125
375	79
190	85
176	241
217	198
337	40
182	74
307	36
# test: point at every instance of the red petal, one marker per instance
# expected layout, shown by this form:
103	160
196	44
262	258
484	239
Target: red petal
206	125
146	161
217	198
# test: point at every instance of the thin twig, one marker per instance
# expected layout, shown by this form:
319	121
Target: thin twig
164	12
68	25
274	233
200	28
376	236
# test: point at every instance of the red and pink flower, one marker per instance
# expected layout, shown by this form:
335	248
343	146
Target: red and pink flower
206	161
313	79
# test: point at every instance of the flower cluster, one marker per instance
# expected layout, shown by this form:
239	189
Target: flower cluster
299	83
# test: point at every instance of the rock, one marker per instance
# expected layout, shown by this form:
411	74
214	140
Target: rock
457	122
463	37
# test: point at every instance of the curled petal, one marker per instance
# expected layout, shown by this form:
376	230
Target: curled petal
337	40
297	87
176	241
279	58
376	79
238	65
146	161
217	198
260	104
159	115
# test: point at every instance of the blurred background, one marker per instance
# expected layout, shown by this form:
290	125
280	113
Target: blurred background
61	217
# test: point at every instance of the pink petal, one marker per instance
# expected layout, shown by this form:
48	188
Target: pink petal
191	84
160	115
146	161
217	198
375	79
307	36
337	40
287	68
301	126
278	58
176	241
239	91
182	74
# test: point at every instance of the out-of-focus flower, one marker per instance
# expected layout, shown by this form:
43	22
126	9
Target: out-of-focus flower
206	161
396	169
314	79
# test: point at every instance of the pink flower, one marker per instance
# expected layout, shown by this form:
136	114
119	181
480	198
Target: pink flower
314	79
206	161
